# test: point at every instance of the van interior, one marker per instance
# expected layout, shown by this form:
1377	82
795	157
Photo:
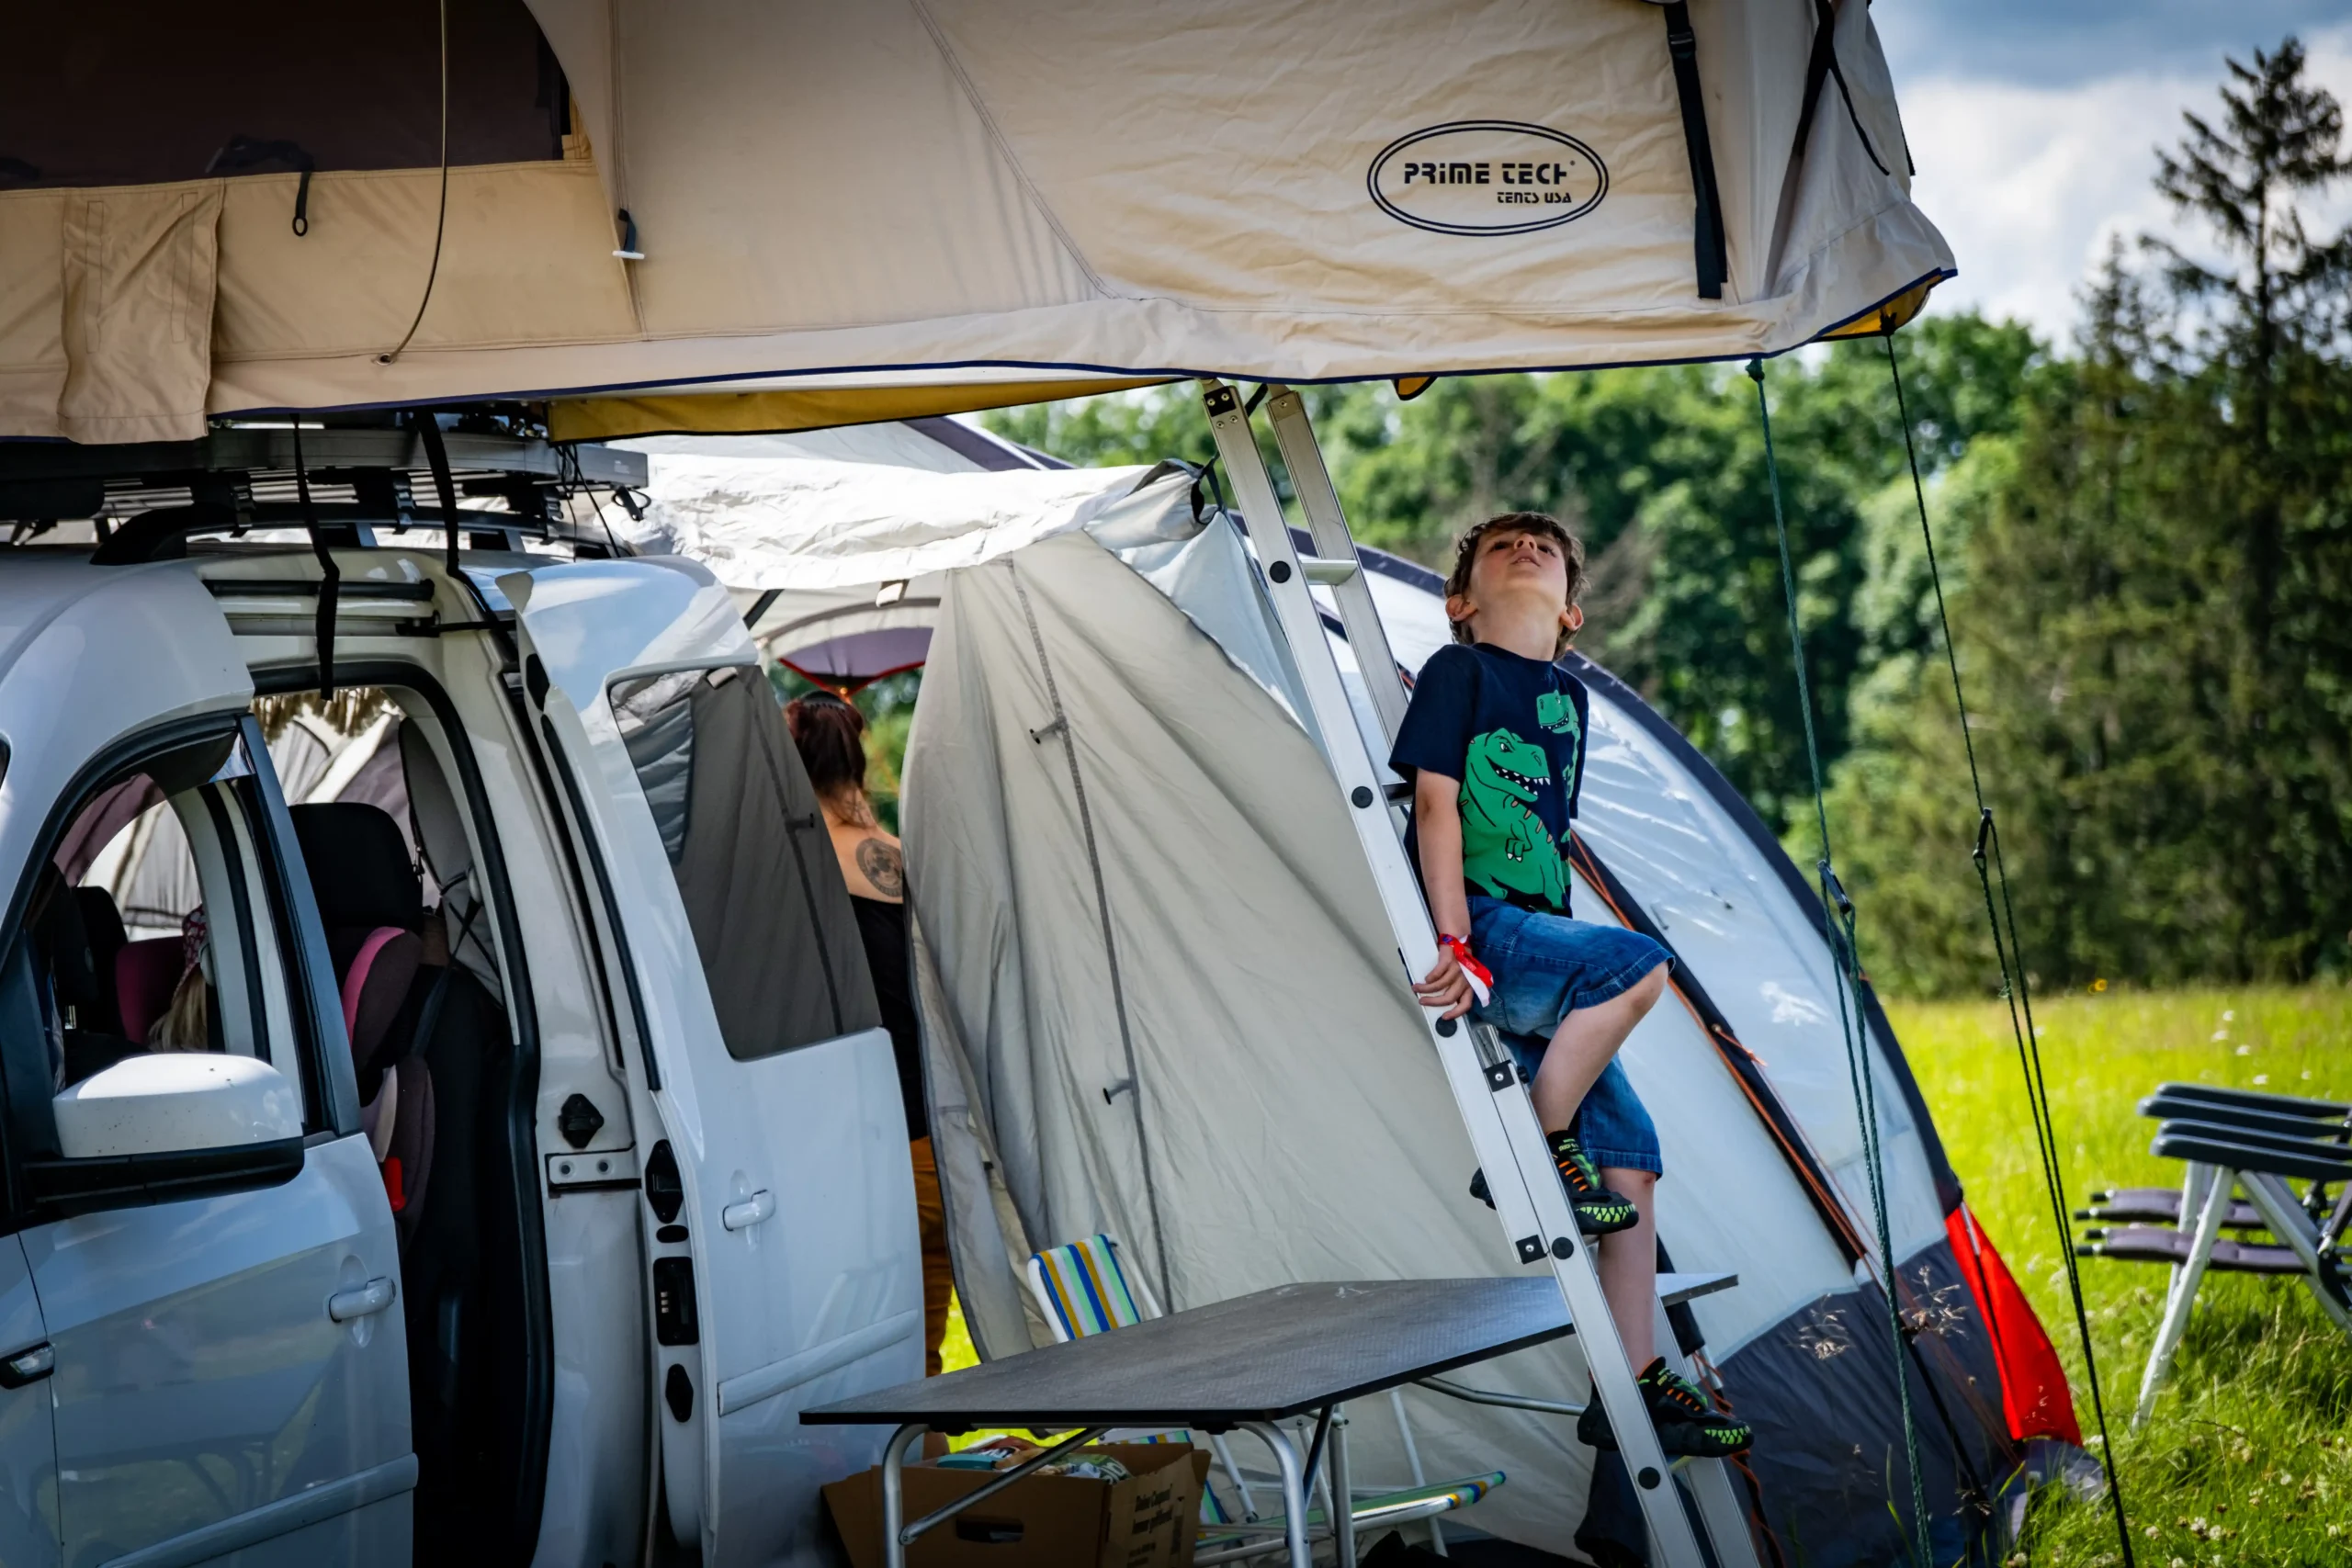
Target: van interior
144	935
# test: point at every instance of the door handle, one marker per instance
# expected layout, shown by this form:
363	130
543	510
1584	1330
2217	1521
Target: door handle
27	1366
750	1212
372	1297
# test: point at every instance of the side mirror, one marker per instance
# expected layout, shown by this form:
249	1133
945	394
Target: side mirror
172	1101
168	1125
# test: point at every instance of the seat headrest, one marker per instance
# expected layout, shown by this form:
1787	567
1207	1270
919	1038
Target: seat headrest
359	867
101	921
56	920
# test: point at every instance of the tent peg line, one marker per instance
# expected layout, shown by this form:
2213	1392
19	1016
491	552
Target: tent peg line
2015	990
1839	926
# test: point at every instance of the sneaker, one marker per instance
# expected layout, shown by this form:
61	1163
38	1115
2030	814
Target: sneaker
1599	1212
1688	1424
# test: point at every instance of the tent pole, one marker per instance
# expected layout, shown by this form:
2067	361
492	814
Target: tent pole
1529	1199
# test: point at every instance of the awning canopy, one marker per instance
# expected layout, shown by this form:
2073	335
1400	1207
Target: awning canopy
941	193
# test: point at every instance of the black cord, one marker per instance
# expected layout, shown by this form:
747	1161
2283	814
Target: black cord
2015	987
1838	929
441	221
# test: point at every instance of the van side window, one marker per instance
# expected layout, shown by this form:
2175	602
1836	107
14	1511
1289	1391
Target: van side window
746	842
154	928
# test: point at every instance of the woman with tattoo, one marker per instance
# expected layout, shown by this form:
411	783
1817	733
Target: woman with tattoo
830	735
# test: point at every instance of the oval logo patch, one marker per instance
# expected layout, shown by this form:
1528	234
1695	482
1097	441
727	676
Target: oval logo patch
1487	176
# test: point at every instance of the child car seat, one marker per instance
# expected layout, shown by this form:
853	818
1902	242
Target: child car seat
373	908
429	1042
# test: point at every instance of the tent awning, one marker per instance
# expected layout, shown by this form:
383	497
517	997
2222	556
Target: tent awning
958	192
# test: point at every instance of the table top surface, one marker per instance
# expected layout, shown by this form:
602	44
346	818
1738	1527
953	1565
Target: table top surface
1279	1353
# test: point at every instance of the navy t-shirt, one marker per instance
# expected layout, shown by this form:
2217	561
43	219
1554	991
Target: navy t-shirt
1511	728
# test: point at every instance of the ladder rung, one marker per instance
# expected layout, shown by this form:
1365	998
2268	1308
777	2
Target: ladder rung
1326	571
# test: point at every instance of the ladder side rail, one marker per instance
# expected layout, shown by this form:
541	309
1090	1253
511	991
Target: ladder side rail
1500	1119
1326	524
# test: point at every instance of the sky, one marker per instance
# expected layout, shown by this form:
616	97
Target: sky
2034	124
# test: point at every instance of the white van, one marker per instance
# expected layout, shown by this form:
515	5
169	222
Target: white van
500	1198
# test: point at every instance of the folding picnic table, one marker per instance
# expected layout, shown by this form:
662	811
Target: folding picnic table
1247	1363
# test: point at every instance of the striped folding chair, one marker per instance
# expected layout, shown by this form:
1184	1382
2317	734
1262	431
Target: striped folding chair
1081	1288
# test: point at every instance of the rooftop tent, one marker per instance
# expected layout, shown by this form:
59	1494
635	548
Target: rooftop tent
734	217
1292	1124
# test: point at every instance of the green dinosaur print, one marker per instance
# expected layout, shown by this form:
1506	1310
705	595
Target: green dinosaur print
1505	847
1556	713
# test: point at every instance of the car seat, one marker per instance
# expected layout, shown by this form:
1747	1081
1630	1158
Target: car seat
373	910
428	1042
102	924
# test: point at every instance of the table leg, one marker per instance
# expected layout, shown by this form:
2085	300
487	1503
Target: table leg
1293	1490
894	1498
1343	1508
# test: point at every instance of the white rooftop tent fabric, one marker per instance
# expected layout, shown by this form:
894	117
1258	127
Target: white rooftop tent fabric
941	190
1233	1081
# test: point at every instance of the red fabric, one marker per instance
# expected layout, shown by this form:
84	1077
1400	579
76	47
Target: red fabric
145	974
2034	1396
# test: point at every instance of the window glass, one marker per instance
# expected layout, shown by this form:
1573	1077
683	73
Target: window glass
747	843
154	929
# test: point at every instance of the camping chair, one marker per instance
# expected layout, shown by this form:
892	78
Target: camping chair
1082	1288
2150	1216
2233	1142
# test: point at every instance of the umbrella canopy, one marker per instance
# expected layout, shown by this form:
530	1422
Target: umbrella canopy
911	205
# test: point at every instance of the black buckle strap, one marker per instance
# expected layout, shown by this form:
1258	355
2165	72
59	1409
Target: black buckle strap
1707	224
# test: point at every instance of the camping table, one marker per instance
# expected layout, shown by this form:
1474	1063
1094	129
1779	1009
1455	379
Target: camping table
1247	1363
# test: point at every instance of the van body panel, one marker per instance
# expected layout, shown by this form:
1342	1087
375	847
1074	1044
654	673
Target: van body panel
200	1376
27	1442
89	655
798	1198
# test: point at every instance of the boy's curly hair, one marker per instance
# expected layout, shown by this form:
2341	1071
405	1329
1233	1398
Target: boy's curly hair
1544	525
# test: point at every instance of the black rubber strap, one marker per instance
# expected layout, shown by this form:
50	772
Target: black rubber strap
240	153
444	488
1707	225
1822	66
330	574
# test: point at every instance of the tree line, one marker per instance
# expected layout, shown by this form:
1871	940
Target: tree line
2144	538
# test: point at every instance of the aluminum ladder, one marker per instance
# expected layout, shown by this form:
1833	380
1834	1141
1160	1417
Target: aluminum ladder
1529	1199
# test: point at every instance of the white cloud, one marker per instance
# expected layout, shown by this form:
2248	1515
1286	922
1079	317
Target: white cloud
2029	183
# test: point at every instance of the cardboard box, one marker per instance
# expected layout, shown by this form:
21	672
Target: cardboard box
1149	1521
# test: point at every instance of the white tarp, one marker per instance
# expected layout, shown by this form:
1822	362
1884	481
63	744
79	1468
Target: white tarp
814	524
941	190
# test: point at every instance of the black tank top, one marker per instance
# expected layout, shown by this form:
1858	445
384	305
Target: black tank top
884	928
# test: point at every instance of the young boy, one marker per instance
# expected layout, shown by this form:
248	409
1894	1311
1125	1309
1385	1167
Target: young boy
1494	742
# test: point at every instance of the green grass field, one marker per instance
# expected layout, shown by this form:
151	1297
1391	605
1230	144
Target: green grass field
2248	1459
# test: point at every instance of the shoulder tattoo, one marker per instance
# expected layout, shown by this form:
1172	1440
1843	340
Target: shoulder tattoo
883	866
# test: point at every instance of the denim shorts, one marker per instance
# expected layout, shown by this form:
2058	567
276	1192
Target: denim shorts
1545	967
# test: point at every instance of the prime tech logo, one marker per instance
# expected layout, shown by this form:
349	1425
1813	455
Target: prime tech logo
1487	176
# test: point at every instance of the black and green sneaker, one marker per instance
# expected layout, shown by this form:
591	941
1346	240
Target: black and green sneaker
1688	1424
1599	1212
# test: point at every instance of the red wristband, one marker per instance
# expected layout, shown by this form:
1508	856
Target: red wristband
1482	979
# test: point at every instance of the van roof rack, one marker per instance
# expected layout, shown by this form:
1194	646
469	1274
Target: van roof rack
145	500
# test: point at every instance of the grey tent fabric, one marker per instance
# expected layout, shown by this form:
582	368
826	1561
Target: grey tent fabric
771	916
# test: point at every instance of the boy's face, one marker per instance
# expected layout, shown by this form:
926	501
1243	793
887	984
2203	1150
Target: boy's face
1517	573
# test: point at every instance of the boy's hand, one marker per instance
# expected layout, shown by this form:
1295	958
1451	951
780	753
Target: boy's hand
1447	986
